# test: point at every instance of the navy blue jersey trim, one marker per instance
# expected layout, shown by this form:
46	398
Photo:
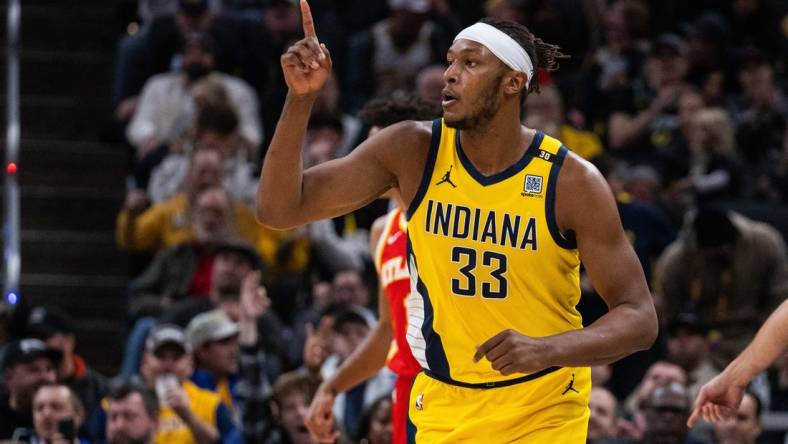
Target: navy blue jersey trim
564	241
410	429
492	384
434	353
505	174
429	166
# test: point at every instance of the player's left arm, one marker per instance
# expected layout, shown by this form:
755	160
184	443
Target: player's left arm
586	206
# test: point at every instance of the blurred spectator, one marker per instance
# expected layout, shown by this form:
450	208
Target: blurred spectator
643	185
545	112
675	154
351	324
132	415
56	329
327	104
667	410
290	397
661	373
388	56
745	425
27	365
170	222
429	84
216	129
185	270
230	362
338	244
513	10
603	423
53	403
618	62
760	112
375	424
708	43
233	262
188	413
729	270
689	348
714	170
166	108
642	113
600	375
647	227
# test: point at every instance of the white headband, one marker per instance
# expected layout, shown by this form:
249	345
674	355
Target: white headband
499	43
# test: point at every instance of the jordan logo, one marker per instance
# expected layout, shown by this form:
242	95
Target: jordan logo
571	386
447	178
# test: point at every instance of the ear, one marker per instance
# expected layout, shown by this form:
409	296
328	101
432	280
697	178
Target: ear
515	82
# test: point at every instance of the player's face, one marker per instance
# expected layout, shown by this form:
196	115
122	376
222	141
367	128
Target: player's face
472	94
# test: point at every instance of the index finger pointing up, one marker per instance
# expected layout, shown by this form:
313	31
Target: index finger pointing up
306	19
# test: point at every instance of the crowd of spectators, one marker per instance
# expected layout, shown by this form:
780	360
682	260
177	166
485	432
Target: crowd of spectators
681	105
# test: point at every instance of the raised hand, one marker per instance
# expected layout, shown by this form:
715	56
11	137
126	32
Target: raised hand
254	298
307	64
318	344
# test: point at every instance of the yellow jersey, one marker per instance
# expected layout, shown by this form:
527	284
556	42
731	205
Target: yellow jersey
485	254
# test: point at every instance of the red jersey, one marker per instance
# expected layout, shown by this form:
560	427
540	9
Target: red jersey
392	265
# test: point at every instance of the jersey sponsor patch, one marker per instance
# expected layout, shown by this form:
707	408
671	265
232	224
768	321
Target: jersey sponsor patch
533	184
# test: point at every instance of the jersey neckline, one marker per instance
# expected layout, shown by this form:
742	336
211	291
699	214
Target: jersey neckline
503	175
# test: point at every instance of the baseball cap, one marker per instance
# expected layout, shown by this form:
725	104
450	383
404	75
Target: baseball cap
417	6
669	42
193	7
244	249
210	326
352	313
27	350
164	334
44	322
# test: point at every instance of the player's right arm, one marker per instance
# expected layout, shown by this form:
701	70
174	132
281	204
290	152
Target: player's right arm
722	395
367	360
287	196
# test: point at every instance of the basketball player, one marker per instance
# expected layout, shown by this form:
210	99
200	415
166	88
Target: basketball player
388	241
494	261
721	396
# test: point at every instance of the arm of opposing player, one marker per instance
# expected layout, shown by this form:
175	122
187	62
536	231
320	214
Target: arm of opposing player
631	323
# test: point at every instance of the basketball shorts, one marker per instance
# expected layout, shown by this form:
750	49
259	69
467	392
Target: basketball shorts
551	409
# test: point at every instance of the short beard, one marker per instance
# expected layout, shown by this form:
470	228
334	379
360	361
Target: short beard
126	439
487	106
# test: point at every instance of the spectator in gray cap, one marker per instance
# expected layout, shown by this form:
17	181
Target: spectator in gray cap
230	361
186	408
27	365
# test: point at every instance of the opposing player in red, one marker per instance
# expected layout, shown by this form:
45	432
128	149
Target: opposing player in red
386	343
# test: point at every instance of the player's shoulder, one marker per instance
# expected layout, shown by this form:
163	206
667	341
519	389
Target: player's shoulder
405	141
409	131
578	173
